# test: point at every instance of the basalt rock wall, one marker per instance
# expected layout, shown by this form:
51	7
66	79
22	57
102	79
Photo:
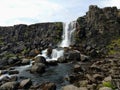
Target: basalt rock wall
30	38
96	30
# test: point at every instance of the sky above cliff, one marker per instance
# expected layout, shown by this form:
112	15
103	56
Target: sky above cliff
36	11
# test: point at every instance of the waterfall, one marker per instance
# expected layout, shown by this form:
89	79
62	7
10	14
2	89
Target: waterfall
68	30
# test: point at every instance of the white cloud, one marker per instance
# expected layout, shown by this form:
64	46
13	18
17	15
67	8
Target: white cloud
12	10
111	3
35	11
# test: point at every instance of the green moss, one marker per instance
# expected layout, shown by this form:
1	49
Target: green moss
108	84
10	55
114	46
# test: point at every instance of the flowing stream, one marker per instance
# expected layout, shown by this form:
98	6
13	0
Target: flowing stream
68	30
54	74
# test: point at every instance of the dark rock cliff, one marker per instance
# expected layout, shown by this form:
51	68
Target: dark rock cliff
29	38
96	30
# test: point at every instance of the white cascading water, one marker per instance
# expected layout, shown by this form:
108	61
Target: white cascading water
66	41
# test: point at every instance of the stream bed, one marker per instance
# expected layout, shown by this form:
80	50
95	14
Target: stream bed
55	74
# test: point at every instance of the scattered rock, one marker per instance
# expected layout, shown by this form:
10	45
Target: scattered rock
13	72
70	87
38	68
62	59
9	86
48	86
105	88
25	61
84	58
40	59
25	83
78	68
13	60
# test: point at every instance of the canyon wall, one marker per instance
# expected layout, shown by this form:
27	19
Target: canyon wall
97	30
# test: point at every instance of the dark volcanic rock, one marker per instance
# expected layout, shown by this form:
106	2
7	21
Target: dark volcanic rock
40	59
23	38
97	29
38	68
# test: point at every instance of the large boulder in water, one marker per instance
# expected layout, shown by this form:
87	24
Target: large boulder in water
40	59
38	68
72	55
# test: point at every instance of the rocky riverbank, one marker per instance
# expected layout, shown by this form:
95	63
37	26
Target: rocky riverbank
91	62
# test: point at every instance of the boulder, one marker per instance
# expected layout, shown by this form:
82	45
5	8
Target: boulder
84	58
70	87
83	83
33	52
38	68
49	52
72	55
98	77
25	61
52	63
105	88
9	86
107	79
25	83
77	68
48	86
13	72
40	59
82	88
3	62
62	59
13	60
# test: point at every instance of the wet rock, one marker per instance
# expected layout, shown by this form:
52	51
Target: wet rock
9	86
25	83
72	55
13	72
105	88
52	63
3	72
25	61
13	78
40	59
38	68
48	86
62	59
49	52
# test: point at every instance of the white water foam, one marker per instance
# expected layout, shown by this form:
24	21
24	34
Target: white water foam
68	30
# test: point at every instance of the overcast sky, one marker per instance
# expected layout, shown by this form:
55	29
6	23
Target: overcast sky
36	11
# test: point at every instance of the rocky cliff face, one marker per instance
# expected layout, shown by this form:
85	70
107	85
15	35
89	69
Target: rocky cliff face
96	30
23	38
